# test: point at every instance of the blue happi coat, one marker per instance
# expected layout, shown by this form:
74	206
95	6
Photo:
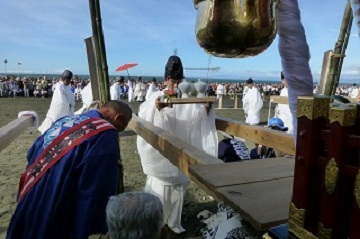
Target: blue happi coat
69	200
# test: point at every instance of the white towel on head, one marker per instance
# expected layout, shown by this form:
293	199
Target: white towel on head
33	114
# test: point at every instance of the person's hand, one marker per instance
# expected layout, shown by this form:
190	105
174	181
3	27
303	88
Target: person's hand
159	105
358	98
208	108
170	92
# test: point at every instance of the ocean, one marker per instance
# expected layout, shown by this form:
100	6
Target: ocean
266	80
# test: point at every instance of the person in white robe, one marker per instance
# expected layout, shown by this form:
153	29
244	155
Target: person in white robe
115	90
282	111
151	89
354	91
252	103
193	123
131	86
62	103
220	91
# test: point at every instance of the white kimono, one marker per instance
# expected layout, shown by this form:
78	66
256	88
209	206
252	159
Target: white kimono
115	91
252	104
152	88
219	91
62	104
283	112
130	91
188	122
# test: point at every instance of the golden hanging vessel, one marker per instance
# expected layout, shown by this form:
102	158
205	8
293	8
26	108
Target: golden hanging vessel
235	28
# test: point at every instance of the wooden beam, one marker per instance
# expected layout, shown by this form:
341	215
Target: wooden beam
262	198
279	99
257	134
180	153
203	100
12	130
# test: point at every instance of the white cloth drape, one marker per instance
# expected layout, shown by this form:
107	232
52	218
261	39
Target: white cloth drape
283	112
62	104
295	54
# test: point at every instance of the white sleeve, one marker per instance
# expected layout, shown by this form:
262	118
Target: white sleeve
295	54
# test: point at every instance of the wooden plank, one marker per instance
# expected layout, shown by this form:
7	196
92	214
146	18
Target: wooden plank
204	100
279	99
179	152
251	171
257	134
12	130
262	204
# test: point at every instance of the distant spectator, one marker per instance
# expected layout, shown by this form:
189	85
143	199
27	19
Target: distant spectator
354	91
252	103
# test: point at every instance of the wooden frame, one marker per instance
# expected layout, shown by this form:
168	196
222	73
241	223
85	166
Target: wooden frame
12	130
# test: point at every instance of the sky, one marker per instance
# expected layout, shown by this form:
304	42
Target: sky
47	36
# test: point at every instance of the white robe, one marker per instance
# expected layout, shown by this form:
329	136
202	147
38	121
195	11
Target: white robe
130	91
219	91
188	122
115	91
252	104
283	112
62	104
152	88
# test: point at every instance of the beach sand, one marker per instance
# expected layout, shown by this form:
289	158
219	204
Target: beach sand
13	163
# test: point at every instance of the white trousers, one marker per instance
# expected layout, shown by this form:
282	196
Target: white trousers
172	198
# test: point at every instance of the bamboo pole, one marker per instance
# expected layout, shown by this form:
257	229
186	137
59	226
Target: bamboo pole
100	49
339	50
102	68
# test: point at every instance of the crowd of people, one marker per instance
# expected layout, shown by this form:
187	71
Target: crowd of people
137	89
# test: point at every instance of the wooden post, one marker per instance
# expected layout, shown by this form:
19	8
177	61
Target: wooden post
339	50
336	187
100	50
102	68
236	103
94	74
312	113
220	102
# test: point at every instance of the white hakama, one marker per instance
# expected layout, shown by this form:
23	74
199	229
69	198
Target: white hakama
188	122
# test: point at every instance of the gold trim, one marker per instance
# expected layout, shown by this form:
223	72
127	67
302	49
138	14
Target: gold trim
313	107
331	176
297	215
324	233
344	114
357	189
299	231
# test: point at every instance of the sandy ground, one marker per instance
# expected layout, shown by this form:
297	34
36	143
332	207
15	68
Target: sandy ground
13	163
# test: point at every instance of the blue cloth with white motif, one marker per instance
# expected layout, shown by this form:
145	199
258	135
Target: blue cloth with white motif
69	201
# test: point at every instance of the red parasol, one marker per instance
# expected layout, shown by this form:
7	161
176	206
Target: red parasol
126	67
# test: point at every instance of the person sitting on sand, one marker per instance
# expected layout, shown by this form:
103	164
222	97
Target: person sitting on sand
71	173
260	151
134	215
